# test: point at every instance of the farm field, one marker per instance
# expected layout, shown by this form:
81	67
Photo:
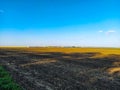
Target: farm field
63	68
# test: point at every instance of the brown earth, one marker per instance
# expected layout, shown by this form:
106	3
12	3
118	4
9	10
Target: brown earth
62	71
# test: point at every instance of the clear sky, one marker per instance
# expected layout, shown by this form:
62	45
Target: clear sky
60	23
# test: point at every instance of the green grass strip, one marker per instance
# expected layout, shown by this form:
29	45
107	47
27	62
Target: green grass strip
6	81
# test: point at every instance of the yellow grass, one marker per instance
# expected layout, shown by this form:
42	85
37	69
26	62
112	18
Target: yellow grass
114	70
39	62
68	50
104	51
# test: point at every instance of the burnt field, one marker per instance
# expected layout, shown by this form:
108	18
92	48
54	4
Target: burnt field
62	71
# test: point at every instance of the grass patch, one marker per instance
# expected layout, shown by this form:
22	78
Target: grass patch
6	81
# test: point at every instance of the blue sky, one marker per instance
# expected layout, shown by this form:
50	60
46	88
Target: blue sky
60	23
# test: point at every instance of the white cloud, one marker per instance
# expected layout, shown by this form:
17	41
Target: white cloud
100	31
107	32
110	31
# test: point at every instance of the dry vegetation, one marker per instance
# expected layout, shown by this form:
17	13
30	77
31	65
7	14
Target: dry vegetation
63	68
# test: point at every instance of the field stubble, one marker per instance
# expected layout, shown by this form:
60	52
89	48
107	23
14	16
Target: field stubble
63	68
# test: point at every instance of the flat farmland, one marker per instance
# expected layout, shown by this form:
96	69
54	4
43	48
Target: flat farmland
52	68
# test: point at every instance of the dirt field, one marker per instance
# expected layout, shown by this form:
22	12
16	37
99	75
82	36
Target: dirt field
63	68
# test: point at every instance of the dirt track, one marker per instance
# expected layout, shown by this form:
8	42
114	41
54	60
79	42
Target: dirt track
60	71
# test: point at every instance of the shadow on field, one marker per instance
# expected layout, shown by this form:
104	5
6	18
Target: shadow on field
62	71
81	59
